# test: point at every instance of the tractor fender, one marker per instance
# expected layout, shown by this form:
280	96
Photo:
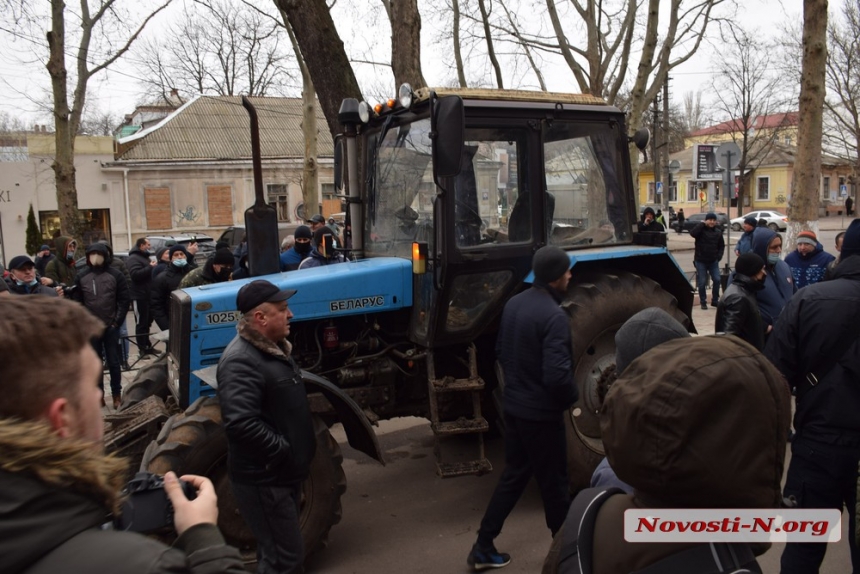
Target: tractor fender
359	433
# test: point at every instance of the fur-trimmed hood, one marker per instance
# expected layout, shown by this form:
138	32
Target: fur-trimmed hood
50	489
282	349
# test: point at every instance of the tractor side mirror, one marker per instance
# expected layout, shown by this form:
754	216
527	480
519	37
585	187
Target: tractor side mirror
338	161
641	138
447	126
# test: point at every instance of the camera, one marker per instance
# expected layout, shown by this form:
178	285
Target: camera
147	509
67	289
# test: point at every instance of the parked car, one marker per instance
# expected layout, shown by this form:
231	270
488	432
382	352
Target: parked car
693	219
234	234
775	220
205	243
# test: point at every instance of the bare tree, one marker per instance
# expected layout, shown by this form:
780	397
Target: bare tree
102	34
219	47
803	208
458	57
748	94
406	43
693	117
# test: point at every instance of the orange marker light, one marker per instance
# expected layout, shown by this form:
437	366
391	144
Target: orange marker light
391	103
419	258
378	108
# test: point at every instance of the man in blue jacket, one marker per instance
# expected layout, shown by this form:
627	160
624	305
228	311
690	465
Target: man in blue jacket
809	261
779	285
535	353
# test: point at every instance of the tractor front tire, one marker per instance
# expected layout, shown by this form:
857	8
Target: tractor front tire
598	304
149	381
194	442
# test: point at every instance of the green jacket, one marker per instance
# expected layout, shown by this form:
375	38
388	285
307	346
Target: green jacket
59	269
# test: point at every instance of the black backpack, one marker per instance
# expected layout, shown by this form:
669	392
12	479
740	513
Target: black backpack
575	556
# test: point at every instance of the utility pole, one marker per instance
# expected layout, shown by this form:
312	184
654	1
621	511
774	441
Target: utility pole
655	149
665	124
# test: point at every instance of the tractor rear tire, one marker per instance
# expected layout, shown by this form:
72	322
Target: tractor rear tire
149	381
194	442
598	304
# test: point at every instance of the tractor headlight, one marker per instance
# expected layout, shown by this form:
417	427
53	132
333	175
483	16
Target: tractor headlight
405	95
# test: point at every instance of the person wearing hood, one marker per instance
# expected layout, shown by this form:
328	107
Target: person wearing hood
57	487
816	345
242	271
139	268
42	259
163	285
534	350
737	313
22	278
649	222
744	244
301	249
809	261
323	252
217	269
61	269
103	290
670	429
779	285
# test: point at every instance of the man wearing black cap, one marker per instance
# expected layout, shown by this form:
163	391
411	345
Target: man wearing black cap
316	222
709	250
744	244
737	313
816	346
292	257
534	350
42	259
22	278
267	419
216	270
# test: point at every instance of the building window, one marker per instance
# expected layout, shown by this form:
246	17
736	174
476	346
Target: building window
825	188
673	192
279	199
219	203
762	186
651	192
692	190
156	201
95	225
787	140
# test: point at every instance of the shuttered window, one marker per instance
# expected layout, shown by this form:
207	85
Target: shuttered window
157	206
219	203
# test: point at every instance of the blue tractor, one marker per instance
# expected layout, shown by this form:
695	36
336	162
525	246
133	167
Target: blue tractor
449	193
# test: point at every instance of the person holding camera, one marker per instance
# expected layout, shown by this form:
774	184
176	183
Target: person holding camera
57	488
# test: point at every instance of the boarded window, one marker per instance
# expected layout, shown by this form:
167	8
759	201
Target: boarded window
157	205
219	203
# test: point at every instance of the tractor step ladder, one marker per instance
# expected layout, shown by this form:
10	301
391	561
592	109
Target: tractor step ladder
476	424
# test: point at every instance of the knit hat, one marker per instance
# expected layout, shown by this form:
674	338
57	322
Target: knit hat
44	248
174	248
807	237
223	257
550	263
851	240
750	221
749	264
643	331
303	232
711	215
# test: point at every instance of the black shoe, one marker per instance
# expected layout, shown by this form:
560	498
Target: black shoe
714	303
125	366
704	306
486	559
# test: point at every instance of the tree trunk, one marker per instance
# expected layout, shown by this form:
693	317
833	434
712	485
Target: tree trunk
310	174
803	209
324	55
406	44
458	57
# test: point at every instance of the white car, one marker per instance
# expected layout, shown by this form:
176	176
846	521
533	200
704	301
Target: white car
775	220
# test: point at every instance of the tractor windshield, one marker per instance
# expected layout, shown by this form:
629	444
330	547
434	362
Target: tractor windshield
400	190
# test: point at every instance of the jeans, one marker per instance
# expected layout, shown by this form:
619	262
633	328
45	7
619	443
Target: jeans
123	341
272	513
142	323
702	272
536	448
820	476
107	346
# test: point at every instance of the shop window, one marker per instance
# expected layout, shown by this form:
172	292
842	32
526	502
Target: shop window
94	227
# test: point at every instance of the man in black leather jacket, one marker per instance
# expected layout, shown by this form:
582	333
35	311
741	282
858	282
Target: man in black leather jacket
267	419
737	312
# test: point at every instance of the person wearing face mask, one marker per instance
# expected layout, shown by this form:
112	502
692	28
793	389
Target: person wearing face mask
163	285
22	278
779	286
293	257
216	269
737	311
61	269
323	252
103	290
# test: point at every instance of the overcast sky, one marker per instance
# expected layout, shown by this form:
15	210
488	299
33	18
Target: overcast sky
118	89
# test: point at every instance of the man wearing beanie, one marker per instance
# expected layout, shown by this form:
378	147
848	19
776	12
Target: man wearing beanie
301	249
42	259
816	346
178	266
737	313
709	250
534	350
744	244
216	269
809	261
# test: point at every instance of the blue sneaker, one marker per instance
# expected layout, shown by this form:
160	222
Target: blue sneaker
485	559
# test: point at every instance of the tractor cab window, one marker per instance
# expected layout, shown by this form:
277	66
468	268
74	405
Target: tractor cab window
583	167
491	205
400	190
